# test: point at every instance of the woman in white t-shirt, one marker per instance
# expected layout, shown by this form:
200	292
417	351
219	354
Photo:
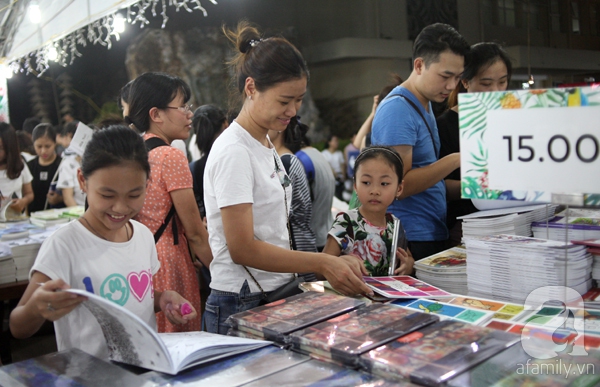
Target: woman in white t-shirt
247	192
15	177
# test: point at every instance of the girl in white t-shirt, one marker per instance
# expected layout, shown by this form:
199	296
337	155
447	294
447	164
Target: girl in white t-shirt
104	252
15	178
247	192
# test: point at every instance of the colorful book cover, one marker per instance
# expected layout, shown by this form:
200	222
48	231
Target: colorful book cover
454	259
404	287
504	311
345	337
461	313
277	319
558	336
437	352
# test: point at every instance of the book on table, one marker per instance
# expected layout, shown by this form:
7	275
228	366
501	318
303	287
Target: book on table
131	341
345	337
404	286
275	321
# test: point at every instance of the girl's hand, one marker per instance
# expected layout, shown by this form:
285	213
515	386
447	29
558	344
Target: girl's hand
406	262
52	304
18	205
171	304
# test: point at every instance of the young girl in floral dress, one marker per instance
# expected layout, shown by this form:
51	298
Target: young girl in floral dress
366	232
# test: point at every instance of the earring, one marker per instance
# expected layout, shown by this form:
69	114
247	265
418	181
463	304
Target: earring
249	97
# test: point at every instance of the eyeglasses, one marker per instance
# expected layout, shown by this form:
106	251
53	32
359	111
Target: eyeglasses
184	109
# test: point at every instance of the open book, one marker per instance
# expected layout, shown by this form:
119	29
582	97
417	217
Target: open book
131	341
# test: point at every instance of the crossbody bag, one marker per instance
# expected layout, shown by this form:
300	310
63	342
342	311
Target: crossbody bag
290	288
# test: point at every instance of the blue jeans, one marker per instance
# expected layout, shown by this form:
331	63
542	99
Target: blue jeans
221	305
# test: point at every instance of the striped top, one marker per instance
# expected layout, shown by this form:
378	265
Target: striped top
301	209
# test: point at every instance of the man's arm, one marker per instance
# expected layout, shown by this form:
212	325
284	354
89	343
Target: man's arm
419	179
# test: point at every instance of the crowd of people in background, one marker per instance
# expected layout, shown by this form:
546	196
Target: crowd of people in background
254	205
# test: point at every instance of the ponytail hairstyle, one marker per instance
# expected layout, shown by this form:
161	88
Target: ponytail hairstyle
152	90
207	123
14	161
268	61
295	134
113	146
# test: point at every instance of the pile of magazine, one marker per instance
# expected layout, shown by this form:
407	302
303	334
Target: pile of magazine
569	225
593	247
446	270
513	221
509	268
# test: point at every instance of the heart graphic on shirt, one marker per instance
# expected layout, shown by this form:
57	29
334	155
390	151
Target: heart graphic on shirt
139	284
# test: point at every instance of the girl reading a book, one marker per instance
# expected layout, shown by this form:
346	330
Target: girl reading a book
15	177
105	252
367	231
247	192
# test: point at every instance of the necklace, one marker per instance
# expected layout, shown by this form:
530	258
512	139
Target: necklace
92	229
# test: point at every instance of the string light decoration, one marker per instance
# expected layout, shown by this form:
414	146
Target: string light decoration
64	51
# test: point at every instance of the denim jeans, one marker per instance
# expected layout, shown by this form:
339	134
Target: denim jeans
221	305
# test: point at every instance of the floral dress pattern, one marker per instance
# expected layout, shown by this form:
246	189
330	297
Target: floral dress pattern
356	236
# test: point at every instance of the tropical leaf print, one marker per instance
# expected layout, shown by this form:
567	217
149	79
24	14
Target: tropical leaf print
473	112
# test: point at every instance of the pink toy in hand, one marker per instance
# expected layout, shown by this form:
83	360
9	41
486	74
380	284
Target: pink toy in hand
185	309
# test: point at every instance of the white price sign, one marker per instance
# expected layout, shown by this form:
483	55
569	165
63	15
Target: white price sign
545	149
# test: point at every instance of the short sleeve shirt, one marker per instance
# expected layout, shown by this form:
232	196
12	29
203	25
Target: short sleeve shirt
357	236
397	123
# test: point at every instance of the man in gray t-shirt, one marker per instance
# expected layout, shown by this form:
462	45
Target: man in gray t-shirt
323	189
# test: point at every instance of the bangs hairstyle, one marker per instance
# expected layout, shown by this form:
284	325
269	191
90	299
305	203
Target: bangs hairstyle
268	61
437	38
113	146
153	90
387	154
14	161
481	56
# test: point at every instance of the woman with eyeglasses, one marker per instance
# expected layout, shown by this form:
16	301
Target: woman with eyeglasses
158	106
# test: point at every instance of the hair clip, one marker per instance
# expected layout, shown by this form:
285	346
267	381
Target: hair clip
254	42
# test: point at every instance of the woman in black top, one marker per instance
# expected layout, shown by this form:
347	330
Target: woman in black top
489	69
44	166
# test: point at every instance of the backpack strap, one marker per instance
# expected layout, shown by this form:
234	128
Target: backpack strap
151	143
412	104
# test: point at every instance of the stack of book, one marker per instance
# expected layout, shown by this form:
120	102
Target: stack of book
593	247
446	270
513	221
24	251
569	225
8	270
56	216
509	268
